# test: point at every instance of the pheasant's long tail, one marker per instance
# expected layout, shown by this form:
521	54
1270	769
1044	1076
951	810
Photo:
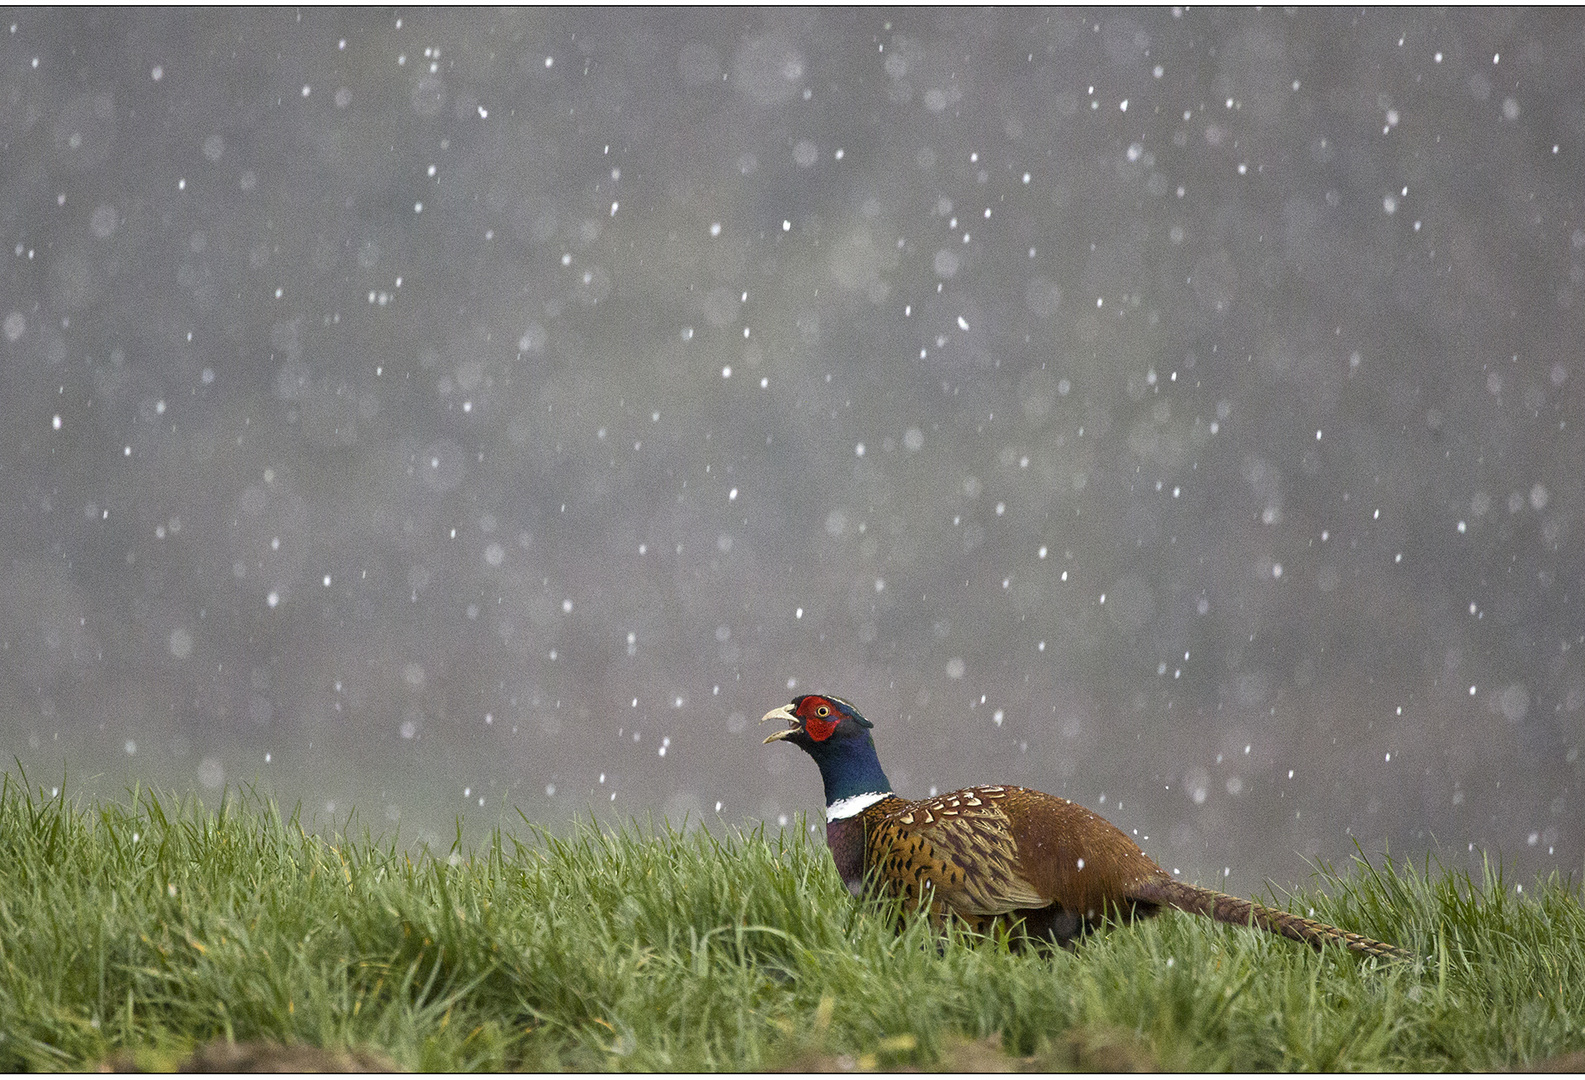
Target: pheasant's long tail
1240	912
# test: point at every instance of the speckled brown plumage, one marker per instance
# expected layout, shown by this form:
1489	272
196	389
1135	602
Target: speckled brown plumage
1000	856
997	855
1008	852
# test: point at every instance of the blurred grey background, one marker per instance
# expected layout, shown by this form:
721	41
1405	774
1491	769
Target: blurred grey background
458	413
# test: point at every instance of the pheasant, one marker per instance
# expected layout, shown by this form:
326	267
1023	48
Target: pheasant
999	855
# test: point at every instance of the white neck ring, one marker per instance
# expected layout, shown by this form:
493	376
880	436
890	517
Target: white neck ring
854	805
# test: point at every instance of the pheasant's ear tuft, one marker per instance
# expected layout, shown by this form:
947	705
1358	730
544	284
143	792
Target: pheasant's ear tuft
851	713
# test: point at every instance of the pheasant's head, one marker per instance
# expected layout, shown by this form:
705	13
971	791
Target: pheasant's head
816	719
832	732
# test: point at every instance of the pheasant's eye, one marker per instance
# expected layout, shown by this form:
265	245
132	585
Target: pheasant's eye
822	711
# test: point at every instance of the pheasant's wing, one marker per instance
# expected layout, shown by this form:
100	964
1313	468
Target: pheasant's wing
961	845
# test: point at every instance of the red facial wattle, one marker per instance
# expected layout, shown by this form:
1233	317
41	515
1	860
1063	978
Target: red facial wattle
820	720
820	729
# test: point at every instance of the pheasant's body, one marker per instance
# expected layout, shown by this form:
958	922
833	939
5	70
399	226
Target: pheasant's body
997	855
973	854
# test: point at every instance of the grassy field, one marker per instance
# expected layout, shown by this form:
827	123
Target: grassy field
141	931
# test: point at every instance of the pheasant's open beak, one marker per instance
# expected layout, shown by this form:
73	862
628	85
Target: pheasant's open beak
784	713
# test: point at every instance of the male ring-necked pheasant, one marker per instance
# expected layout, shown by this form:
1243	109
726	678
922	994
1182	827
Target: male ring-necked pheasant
999	854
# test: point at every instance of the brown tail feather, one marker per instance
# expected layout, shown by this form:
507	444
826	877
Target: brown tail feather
1240	912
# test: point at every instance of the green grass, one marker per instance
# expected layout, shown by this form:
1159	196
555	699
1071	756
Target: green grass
153	927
